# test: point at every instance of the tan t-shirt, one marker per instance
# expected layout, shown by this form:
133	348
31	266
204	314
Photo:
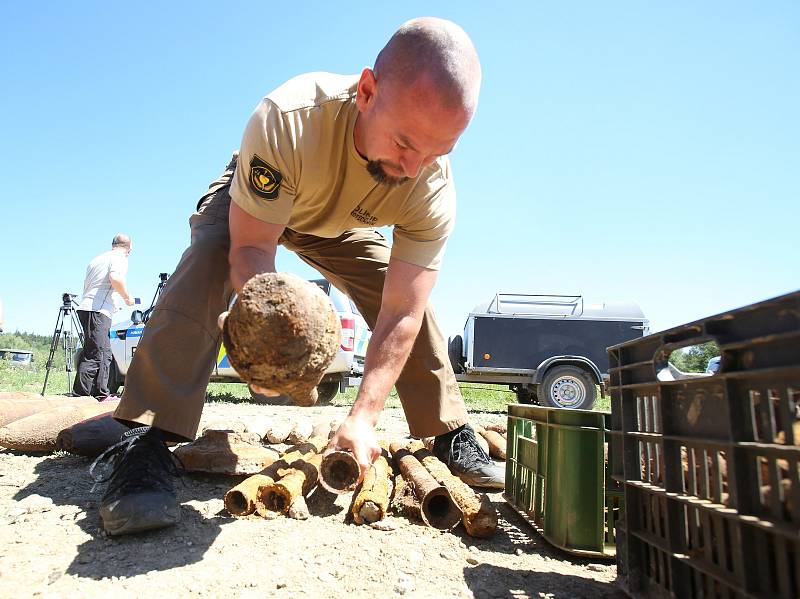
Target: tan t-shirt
298	166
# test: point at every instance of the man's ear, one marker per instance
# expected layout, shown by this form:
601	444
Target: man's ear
367	89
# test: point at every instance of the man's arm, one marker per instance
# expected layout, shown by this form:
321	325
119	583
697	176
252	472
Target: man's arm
118	284
405	297
253	246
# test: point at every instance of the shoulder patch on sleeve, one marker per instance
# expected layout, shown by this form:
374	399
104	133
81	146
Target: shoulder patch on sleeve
265	179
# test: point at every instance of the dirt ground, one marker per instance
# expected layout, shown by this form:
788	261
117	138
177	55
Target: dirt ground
52	543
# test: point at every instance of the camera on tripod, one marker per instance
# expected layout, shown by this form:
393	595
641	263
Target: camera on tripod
163	276
68	331
67	298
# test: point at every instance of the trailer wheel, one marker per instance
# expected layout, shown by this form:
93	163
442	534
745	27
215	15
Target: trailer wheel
270	400
568	387
326	392
455	352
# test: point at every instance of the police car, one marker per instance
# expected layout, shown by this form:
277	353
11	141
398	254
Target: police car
345	370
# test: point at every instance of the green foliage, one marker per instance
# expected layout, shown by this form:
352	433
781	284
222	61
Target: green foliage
694	358
13	378
39	344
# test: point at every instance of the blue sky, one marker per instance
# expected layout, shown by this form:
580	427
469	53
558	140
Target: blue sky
621	150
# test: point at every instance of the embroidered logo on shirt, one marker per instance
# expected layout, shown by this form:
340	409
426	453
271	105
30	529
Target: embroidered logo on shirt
363	216
265	179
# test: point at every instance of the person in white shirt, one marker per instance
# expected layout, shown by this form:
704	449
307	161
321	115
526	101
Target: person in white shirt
105	279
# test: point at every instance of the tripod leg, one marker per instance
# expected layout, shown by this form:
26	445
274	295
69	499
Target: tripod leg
54	345
68	352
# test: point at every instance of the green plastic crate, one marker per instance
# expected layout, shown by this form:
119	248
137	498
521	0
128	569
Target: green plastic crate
557	479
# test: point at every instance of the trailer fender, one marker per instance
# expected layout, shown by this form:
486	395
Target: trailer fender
580	361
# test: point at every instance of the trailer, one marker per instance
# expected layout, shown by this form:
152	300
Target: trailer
549	349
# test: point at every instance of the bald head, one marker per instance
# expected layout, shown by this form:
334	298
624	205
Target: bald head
121	241
435	52
417	100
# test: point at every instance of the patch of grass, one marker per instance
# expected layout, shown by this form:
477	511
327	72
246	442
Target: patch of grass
603	403
20	379
228	392
479	397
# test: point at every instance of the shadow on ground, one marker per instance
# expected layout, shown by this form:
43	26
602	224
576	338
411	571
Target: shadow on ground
497	582
66	481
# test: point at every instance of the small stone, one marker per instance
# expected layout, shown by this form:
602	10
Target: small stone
518	551
281	584
387	524
473	549
595	568
473	560
189	543
448	555
33	504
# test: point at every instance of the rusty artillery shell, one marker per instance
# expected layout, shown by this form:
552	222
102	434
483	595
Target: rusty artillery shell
18	405
404	502
281	334
295	474
278	432
371	501
339	472
479	515
226	452
498	428
438	508
38	432
301	432
497	444
321	429
296	481
91	437
241	499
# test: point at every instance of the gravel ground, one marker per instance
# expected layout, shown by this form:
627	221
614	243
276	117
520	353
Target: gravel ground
52	543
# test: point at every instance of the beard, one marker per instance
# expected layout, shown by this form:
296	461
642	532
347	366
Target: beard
375	168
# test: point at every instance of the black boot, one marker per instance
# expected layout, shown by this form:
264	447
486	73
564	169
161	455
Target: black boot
140	495
460	451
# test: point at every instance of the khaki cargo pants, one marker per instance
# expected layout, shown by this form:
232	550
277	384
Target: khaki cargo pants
166	383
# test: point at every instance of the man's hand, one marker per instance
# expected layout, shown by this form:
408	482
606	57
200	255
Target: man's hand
357	435
262	390
129	300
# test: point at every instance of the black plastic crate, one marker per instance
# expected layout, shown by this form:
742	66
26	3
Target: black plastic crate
711	465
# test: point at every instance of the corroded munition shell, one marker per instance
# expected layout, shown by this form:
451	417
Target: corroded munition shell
226	452
38	432
282	334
